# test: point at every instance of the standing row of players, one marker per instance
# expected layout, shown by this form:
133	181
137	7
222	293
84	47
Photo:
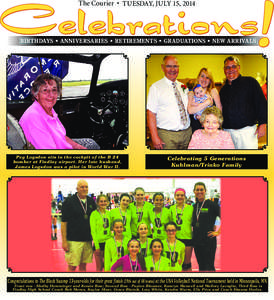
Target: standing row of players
140	236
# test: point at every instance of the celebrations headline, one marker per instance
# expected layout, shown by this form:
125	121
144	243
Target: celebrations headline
111	26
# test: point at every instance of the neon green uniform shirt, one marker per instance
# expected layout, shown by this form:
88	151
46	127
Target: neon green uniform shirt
113	251
162	265
158	222
183	219
117	213
145	248
100	227
174	254
140	215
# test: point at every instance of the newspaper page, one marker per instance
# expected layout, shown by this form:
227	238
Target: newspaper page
129	144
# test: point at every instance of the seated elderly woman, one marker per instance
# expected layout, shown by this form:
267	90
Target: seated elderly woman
211	137
40	122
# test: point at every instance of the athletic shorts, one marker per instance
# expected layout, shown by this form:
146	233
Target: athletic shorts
187	242
102	246
79	252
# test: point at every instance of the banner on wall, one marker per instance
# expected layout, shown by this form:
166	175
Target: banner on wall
22	71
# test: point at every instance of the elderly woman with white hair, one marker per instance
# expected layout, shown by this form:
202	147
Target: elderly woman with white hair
211	136
40	122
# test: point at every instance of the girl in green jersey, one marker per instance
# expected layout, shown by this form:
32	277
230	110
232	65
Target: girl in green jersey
116	246
133	262
123	212
181	214
156	262
145	241
100	229
174	250
159	216
140	211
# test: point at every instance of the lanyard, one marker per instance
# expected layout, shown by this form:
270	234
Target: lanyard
84	208
103	216
117	248
145	254
124	218
133	269
198	211
154	264
140	216
177	216
158	222
172	255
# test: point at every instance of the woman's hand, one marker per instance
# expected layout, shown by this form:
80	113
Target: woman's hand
190	94
210	100
194	107
212	234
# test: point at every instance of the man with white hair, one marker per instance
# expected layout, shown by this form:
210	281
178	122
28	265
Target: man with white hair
75	228
167	116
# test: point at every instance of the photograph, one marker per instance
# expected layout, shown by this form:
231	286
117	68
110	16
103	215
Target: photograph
194	220
67	101
206	101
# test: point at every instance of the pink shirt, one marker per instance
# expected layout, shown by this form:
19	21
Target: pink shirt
42	130
200	141
124	262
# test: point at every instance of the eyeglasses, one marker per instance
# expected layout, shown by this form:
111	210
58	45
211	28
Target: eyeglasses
171	230
172	66
233	67
48	91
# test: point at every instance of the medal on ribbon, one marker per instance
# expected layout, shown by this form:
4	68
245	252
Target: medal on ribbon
124	219
172	254
140	215
84	208
158	222
179	216
198	211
